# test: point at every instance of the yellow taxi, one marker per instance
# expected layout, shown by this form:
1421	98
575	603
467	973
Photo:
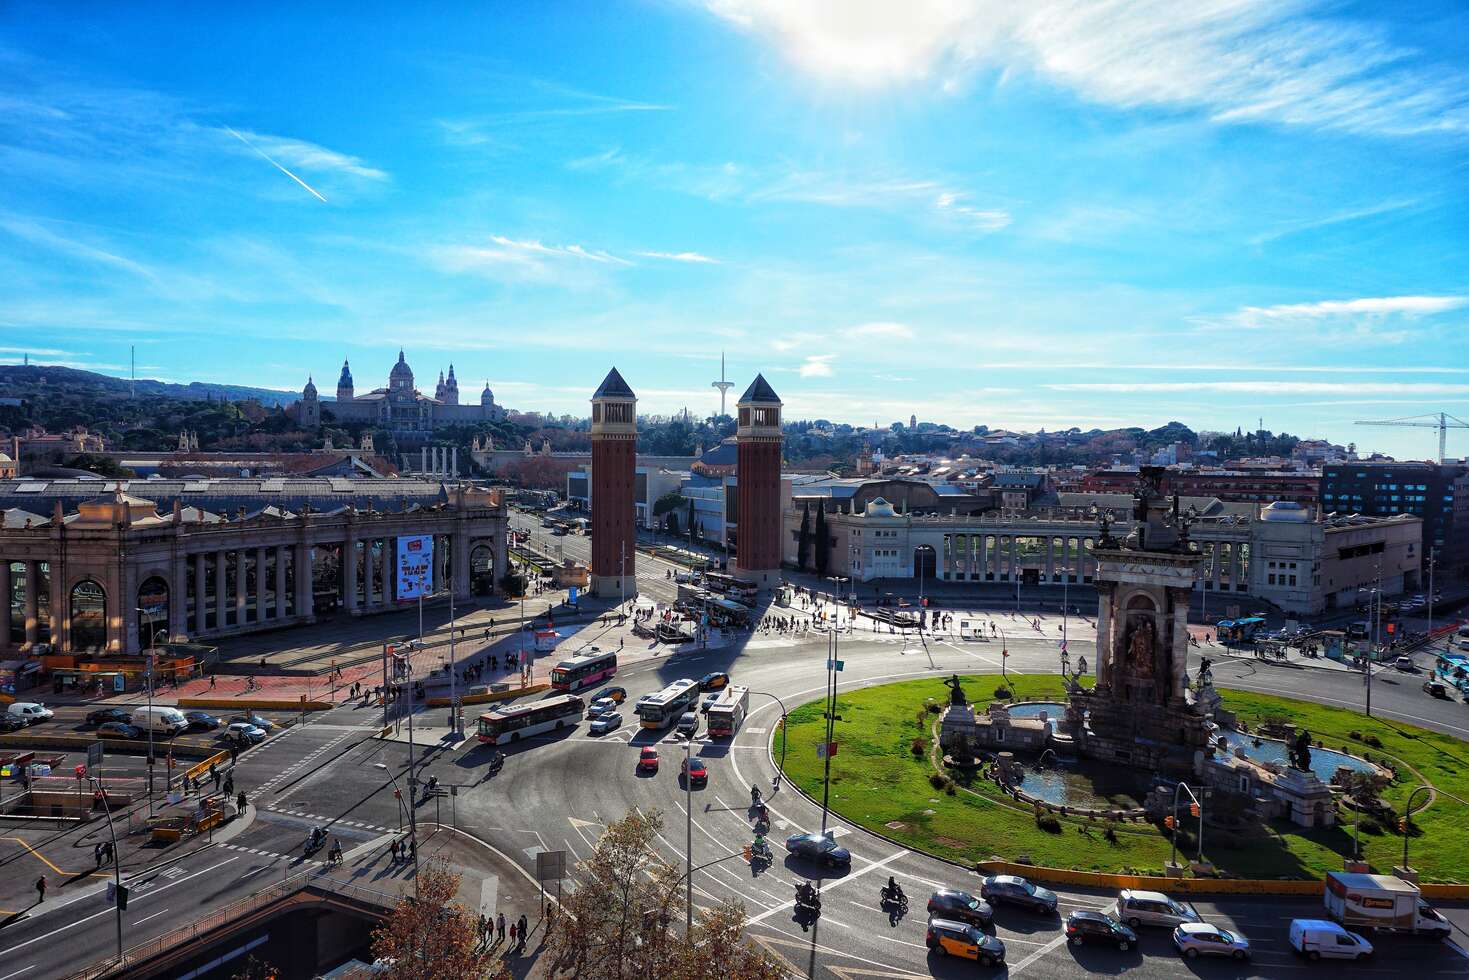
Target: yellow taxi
949	938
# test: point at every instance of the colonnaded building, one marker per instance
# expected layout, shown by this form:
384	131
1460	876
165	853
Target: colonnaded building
400	407
102	568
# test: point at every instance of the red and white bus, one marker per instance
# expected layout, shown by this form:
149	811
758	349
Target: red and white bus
728	713
584	671
511	723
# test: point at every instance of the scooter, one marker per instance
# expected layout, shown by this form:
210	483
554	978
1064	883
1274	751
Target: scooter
808	900
896	900
314	842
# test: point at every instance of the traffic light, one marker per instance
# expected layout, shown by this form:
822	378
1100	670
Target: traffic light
1193	809
1168	821
1402	825
122	897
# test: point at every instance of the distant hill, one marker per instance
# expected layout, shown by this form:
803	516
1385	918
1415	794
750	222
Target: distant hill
29	381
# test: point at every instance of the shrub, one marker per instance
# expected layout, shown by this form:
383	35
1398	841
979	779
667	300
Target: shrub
934	707
951	789
1002	693
1371	826
939	781
919	746
1373	741
1109	830
1023	858
1048	823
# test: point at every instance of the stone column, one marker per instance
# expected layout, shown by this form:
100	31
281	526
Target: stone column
60	605
454	462
1216	550
1234	564
221	610
349	574
423	460
262	601
1050	558
201	597
304	591
1105	593
241	582
126	615
1178	666
369	575
1014	557
32	603
178	597
5	594
281	603
460	564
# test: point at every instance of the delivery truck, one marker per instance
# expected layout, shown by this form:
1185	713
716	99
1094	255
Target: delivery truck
1382	902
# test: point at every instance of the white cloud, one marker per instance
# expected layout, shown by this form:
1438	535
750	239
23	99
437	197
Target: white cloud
1236	60
306	156
523	260
1369	306
1262	387
817	366
890	331
693	257
982	219
38	234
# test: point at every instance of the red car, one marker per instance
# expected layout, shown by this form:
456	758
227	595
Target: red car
696	773
648	760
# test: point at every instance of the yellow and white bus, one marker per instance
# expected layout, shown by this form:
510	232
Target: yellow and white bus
663	709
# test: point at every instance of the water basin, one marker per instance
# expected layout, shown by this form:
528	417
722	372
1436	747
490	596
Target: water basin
1088	784
1324	762
1032	709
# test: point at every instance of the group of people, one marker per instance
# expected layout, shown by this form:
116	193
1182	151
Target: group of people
492	932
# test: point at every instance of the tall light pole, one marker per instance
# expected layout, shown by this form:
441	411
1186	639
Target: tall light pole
1407	817
688	782
150	660
117	862
1432	561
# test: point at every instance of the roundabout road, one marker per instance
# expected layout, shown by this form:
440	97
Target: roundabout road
557	793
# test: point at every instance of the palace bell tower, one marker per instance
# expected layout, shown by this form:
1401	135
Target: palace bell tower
758	439
614	472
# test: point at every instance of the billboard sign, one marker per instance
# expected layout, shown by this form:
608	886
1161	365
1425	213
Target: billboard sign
415	561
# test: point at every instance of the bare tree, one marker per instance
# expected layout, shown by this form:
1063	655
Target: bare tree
621	920
434	937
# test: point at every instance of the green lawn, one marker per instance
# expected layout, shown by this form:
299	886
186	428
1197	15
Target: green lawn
877	782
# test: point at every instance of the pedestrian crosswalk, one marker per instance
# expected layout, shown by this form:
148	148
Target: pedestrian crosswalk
329	822
274	855
289	771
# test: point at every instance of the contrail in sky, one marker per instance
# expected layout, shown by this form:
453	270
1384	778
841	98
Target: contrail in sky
277	166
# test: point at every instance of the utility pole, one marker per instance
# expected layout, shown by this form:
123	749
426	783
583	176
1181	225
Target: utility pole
688	782
831	708
1432	561
117	861
453	667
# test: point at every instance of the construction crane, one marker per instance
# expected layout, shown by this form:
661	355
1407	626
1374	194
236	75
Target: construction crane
1442	421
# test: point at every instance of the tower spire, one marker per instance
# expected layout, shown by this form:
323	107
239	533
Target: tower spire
722	384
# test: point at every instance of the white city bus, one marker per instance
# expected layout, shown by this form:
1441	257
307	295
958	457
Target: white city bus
662	709
583	671
515	721
728	713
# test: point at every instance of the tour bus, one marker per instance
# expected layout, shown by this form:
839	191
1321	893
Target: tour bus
728	713
737	589
508	724
581	671
1239	630
662	709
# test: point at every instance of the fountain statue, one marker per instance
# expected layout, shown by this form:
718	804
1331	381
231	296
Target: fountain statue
1300	751
956	693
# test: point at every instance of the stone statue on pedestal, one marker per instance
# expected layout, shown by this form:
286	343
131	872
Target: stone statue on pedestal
1300	751
956	693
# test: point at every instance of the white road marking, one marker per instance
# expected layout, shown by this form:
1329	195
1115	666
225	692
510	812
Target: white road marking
24	969
147	917
1037	954
837	883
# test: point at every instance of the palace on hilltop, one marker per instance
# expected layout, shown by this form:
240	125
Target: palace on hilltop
400	407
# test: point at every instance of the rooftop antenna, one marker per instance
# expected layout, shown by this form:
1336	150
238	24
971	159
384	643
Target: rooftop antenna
722	384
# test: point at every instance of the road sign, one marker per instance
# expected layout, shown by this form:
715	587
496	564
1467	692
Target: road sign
826	750
835	664
94	755
550	865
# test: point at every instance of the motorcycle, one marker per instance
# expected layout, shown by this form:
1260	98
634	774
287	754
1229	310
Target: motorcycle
895	899
314	842
497	762
760	851
808	899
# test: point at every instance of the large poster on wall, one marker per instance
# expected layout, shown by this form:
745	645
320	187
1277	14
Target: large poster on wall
415	561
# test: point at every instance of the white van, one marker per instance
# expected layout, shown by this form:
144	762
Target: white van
30	712
1317	939
158	719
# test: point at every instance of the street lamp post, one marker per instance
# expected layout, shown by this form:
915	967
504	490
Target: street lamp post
1432	561
1407	818
117	863
1174	812
688	782
152	659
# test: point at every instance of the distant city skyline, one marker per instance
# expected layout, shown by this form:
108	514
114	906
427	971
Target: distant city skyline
979	213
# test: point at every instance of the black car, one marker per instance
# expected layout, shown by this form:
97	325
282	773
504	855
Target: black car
10	723
816	847
950	903
118	729
1085	926
254	719
1014	890
201	721
103	715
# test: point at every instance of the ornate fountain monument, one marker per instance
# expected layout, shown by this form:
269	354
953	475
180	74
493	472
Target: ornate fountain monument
1142	711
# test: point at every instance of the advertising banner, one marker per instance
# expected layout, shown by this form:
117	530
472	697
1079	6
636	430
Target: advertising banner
415	562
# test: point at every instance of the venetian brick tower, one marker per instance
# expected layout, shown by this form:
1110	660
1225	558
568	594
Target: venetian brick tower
614	470
758	437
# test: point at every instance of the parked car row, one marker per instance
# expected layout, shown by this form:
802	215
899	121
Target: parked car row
129	723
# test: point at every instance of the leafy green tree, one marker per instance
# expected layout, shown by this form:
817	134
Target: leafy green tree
803	541
823	543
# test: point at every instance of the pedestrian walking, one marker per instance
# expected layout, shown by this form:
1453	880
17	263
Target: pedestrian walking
211	682
241	803
214	775
97	853
500	926
40	889
512	934
524	930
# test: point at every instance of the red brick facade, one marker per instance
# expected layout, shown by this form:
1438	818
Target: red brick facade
614	536
759	503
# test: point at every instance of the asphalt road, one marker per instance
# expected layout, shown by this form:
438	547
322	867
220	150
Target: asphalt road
555	793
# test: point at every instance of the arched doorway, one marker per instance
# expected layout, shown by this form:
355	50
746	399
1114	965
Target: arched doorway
925	562
482	569
88	616
152	611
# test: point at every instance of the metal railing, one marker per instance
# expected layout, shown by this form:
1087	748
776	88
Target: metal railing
201	927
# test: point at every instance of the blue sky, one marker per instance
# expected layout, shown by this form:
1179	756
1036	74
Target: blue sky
1026	215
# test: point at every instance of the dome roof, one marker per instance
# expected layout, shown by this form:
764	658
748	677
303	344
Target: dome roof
401	373
310	390
1286	510
487	397
878	507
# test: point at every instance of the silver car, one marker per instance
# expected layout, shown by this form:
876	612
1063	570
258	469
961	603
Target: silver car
1195	939
1138	908
602	724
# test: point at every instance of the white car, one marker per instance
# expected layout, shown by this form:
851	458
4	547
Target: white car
30	712
1405	663
600	707
1318	938
602	724
243	731
1195	939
